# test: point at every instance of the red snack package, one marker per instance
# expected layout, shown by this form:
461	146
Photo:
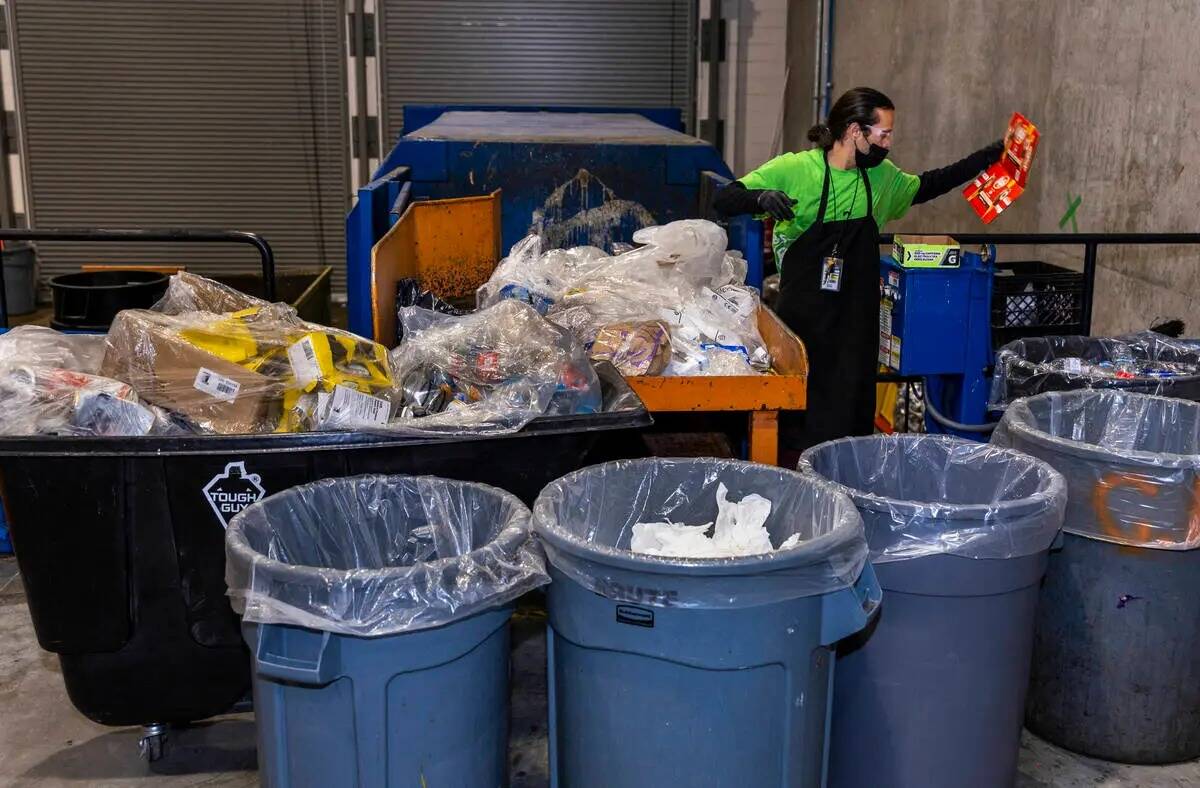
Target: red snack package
1003	182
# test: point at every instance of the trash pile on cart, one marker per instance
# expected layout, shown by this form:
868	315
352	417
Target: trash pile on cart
208	359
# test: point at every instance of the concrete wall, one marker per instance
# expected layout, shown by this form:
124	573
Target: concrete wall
1114	87
753	80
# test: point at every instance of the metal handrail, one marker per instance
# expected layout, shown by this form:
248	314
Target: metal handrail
155	236
1089	241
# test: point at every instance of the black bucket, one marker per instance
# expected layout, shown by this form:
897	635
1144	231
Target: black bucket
90	300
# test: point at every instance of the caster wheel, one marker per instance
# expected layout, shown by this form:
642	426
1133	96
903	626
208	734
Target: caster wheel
153	744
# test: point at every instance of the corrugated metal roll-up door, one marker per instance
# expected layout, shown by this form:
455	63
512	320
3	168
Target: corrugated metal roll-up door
614	53
192	113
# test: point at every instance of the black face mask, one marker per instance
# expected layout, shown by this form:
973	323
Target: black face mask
872	158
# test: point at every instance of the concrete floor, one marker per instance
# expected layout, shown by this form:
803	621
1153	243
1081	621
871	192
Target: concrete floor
44	742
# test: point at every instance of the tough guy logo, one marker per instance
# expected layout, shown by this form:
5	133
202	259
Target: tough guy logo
232	491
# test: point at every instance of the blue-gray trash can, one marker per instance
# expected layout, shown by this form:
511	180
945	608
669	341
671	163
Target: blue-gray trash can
695	672
1116	659
932	694
376	609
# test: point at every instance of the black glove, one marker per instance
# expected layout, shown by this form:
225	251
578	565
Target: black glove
935	183
777	204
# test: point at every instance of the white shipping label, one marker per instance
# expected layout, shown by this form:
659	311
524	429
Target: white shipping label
1073	366
349	408
303	357
216	386
735	300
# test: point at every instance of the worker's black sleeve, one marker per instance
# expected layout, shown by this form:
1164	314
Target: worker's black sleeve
935	183
735	200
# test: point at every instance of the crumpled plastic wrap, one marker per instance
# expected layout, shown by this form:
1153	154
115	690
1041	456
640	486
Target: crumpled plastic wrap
48	401
380	555
489	371
193	293
586	519
535	277
49	386
39	346
1144	362
259	370
922	495
682	275
1131	462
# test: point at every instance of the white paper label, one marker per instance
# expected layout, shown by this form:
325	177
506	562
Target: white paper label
1073	365
885	332
303	357
734	300
216	386
346	407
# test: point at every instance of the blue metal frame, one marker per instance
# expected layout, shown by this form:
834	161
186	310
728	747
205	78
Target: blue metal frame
377	208
669	181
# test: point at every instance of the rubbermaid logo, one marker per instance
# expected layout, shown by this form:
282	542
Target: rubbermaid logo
232	491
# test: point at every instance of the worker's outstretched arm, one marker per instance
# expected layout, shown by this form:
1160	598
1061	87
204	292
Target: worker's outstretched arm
735	200
935	183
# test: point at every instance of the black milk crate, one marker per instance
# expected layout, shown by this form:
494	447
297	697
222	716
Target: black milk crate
1033	298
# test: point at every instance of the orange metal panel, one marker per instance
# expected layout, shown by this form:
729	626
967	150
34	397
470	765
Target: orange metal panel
450	246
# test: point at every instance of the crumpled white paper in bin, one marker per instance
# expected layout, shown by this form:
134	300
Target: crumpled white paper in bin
739	530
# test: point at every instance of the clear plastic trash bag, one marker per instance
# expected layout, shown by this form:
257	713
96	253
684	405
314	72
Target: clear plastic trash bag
380	555
586	519
923	495
1131	462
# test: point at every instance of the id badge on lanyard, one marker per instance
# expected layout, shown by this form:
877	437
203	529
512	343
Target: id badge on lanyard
831	272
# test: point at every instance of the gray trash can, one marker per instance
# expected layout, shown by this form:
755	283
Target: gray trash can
20	278
1116	665
695	671
931	695
376	609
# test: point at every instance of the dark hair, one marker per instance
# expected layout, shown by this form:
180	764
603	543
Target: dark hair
854	106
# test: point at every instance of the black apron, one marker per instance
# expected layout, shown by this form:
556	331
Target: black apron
840	329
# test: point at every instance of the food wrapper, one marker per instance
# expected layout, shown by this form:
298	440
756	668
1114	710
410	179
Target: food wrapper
1002	183
634	348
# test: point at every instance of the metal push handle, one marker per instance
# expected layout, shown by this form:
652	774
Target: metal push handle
93	235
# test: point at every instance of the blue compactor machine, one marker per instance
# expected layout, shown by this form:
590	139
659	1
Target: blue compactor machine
575	175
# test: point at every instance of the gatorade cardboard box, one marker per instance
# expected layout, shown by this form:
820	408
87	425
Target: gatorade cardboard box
1003	182
925	251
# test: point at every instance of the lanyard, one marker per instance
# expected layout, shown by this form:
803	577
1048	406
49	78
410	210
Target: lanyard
842	230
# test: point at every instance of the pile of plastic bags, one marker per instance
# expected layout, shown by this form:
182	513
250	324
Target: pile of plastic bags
675	305
1144	362
210	360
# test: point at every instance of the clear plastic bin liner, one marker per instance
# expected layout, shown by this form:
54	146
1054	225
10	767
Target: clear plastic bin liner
1130	461
586	522
925	495
1145	362
380	555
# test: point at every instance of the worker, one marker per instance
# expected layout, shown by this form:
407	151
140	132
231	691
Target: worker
829	205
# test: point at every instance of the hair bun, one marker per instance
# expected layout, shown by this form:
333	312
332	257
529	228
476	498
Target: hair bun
821	135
